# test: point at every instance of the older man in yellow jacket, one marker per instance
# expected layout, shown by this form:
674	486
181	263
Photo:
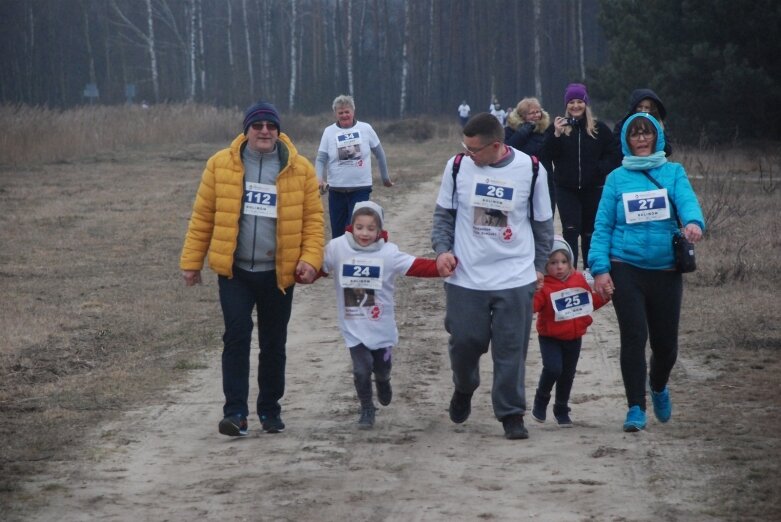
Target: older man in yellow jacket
259	217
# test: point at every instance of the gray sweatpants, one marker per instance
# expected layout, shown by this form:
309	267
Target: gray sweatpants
366	362
502	318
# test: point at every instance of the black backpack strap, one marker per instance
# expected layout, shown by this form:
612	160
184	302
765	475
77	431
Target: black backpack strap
456	168
535	171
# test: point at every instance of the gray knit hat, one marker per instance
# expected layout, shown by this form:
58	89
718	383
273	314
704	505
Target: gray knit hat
559	243
371	205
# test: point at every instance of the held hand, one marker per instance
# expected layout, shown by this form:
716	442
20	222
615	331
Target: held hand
559	125
446	264
603	285
322	186
540	280
305	273
692	232
191	277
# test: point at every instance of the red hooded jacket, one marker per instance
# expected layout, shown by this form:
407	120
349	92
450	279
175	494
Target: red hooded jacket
571	328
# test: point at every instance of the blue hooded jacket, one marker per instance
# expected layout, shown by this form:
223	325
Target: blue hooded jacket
646	244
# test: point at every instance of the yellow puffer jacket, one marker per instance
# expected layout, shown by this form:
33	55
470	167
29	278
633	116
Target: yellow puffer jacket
214	224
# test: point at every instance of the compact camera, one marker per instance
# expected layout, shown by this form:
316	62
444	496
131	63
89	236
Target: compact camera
571	122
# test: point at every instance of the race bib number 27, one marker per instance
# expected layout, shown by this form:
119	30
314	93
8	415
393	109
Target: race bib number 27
650	205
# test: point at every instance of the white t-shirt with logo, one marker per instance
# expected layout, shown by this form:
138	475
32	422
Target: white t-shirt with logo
365	282
349	154
494	242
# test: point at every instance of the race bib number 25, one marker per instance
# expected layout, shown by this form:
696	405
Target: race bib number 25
571	303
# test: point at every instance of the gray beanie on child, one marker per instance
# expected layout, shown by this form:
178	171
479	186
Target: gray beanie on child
559	243
371	205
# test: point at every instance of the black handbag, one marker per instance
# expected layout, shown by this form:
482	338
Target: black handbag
683	249
685	260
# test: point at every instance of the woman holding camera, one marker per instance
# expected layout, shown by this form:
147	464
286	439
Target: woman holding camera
632	258
583	153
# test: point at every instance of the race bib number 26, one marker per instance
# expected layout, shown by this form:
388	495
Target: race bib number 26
493	194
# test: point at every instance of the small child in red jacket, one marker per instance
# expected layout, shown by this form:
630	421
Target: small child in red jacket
564	306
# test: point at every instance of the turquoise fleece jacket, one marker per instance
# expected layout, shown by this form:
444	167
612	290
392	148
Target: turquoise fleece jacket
648	244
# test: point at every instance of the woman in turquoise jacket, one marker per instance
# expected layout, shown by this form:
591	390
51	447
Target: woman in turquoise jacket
632	256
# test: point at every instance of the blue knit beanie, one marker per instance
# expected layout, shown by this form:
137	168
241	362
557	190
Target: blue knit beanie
261	111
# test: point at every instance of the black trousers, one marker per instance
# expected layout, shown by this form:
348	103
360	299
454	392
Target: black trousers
577	211
648	308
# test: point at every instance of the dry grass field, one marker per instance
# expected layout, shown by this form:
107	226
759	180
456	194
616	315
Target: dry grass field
95	319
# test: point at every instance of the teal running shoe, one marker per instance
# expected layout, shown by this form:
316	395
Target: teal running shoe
635	419
663	406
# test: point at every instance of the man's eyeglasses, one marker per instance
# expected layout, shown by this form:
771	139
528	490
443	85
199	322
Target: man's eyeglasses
472	152
260	125
635	136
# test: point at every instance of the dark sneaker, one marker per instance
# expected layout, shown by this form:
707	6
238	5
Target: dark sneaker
540	405
460	406
635	419
272	423
233	426
514	428
663	406
561	413
384	392
366	422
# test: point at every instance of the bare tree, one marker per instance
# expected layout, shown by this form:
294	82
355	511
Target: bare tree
537	49
349	49
293	57
581	51
249	48
201	53
191	50
404	62
265	46
88	44
148	38
430	56
230	36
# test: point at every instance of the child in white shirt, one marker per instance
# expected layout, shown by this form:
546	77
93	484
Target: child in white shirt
365	266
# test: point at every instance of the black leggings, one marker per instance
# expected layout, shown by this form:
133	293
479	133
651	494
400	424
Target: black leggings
648	307
577	211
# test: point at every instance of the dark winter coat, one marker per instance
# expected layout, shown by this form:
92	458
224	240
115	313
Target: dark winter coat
637	96
580	161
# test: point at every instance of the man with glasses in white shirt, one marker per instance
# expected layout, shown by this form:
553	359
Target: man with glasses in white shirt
493	267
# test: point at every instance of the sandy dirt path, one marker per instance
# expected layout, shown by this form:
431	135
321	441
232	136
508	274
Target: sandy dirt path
167	461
